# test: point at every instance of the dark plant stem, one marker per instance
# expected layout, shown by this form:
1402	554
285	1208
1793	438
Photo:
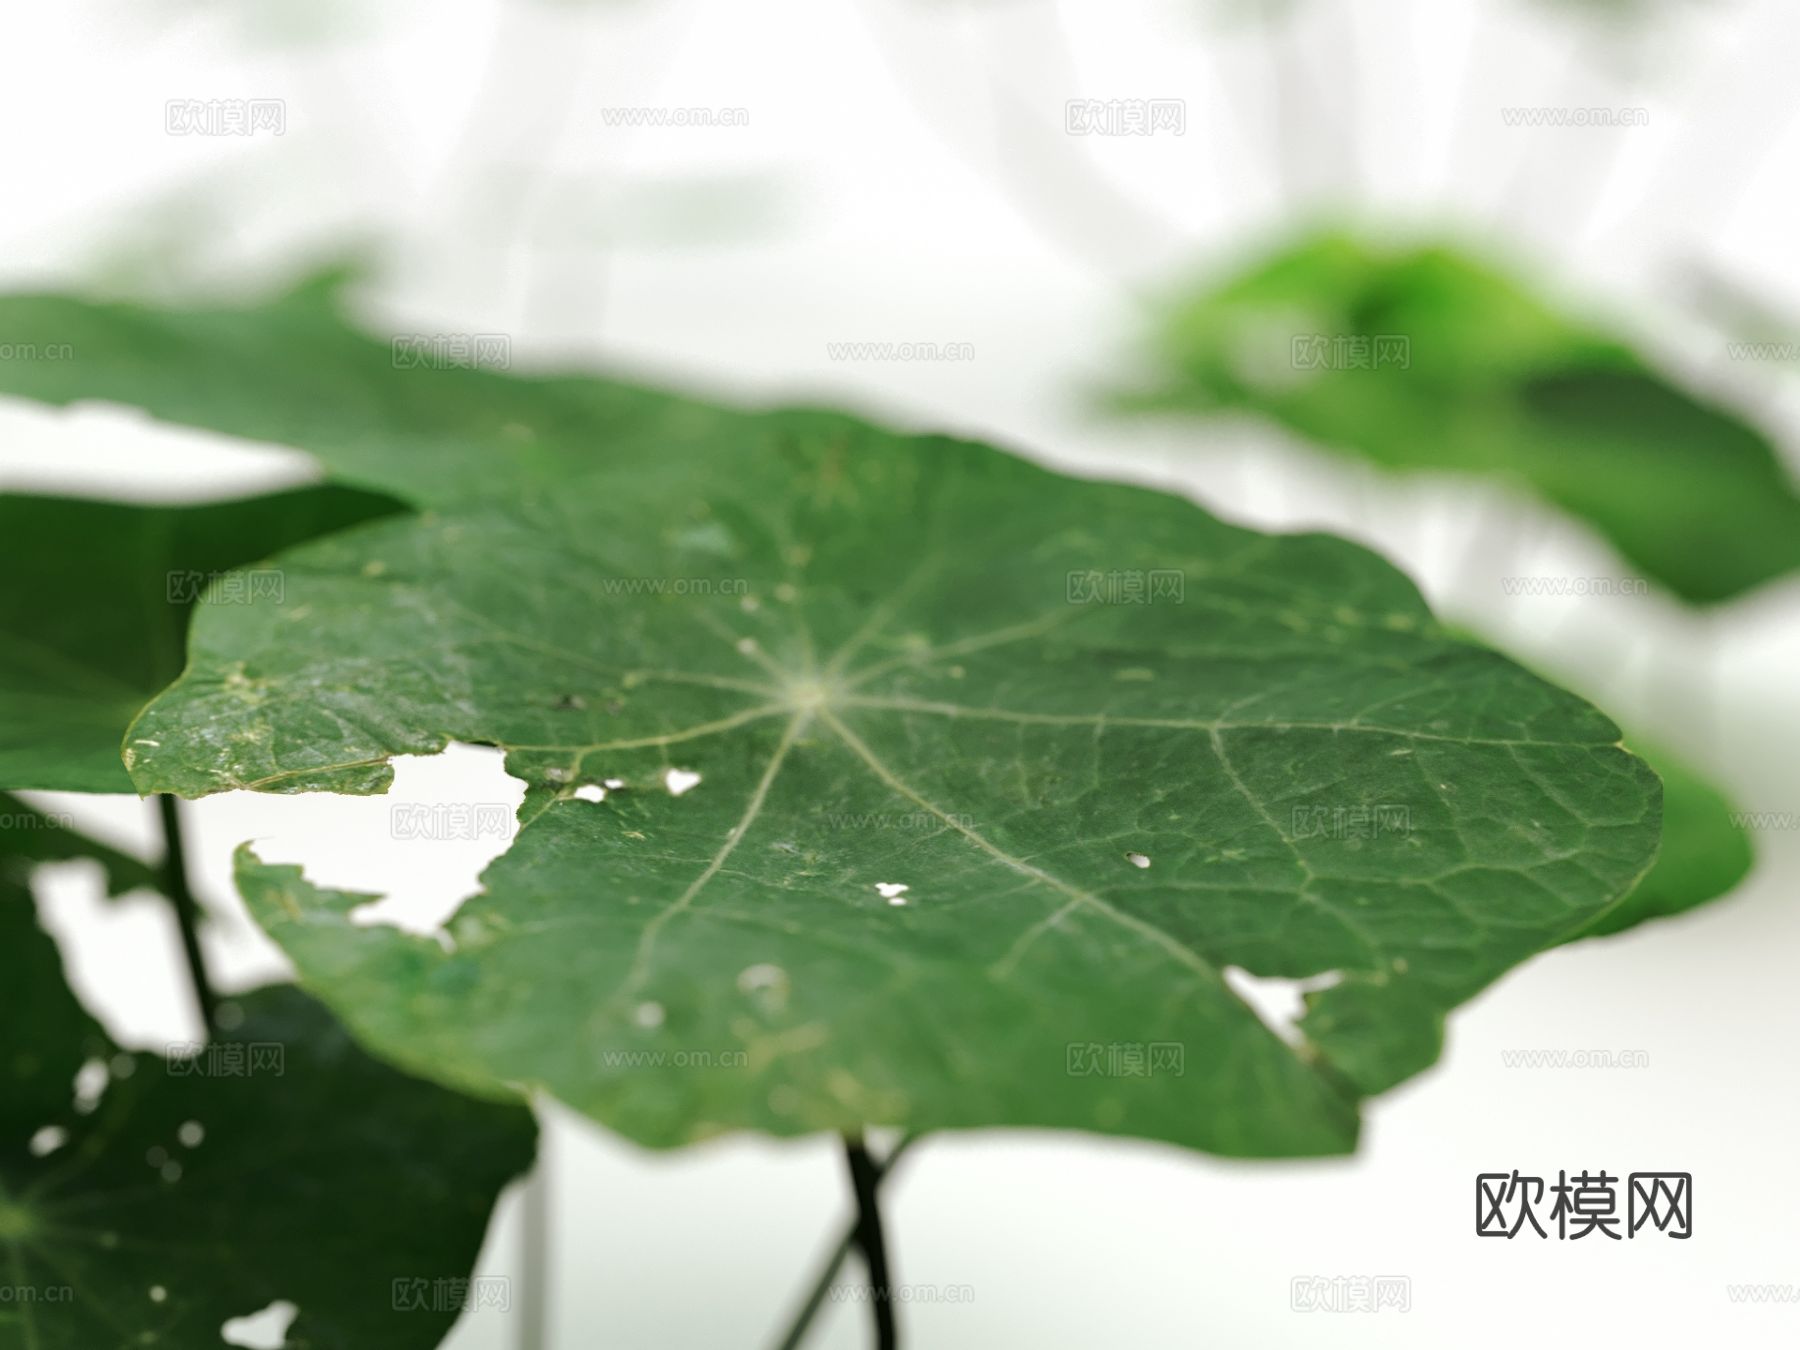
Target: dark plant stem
865	1177
187	910
834	1262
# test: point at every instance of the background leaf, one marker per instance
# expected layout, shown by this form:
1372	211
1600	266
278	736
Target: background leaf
95	621
28	836
280	1163
1496	383
292	372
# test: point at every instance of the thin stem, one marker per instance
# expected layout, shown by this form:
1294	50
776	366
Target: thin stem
535	1259
865	1177
187	910
834	1261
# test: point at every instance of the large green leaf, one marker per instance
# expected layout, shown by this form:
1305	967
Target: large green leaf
882	658
1491	381
280	1163
98	627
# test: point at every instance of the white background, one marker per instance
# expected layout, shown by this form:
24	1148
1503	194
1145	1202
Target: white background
905	177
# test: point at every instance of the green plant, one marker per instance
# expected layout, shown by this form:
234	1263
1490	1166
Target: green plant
887	773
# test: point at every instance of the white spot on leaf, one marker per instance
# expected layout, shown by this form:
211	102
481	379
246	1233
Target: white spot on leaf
679	781
1137	860
649	1016
892	891
763	979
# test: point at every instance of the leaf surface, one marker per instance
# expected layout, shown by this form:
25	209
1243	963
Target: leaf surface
99	626
961	823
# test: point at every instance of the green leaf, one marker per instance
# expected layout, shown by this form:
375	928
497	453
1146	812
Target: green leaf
96	624
28	836
1495	383
1704	854
280	1163
291	372
865	646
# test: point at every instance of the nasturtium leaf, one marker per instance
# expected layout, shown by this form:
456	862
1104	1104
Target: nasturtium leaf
1422	358
95	620
394	414
1704	853
29	836
897	781
278	1164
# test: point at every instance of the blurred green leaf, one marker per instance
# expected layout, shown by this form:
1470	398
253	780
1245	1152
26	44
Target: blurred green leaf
395	414
280	1163
28	837
1426	359
95	619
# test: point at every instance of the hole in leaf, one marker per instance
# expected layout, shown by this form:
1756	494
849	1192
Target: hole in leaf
1278	1003
679	781
265	1330
589	792
893	892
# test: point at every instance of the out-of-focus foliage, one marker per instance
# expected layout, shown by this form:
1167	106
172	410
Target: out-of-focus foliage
1423	358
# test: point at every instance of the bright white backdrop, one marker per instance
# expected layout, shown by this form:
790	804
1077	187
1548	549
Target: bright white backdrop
905	177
